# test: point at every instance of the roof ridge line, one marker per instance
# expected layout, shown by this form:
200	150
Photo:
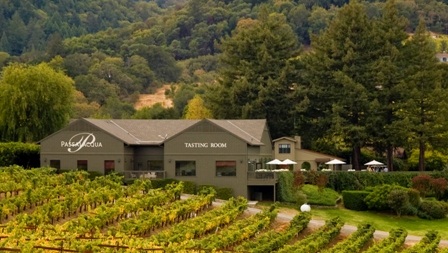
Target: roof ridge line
243	131
138	140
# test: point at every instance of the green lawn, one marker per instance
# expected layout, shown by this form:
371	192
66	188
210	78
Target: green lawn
381	221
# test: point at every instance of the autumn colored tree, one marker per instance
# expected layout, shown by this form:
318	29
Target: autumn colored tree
196	109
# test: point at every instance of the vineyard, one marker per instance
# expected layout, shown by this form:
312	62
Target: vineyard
46	212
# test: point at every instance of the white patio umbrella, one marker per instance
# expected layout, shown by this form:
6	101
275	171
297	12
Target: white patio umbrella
335	162
275	162
287	161
374	163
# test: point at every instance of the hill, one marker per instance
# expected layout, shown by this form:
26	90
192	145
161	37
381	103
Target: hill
148	100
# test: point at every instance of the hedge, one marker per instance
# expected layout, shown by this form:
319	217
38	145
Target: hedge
221	192
285	189
354	200
25	155
360	180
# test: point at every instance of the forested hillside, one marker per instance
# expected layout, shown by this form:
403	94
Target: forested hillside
333	72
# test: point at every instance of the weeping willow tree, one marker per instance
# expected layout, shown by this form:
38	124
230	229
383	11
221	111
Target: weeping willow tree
35	101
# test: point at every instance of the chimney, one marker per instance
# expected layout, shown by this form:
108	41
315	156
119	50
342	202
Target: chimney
298	142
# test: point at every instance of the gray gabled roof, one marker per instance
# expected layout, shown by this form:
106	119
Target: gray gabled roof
142	132
155	132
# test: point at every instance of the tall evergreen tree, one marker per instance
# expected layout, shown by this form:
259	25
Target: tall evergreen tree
391	33
5	46
339	77
252	82
423	112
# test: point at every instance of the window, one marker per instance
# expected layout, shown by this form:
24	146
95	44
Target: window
444	59
185	168
109	166
284	148
226	168
55	164
82	165
154	165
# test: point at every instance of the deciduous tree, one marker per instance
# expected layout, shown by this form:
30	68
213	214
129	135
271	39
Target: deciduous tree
35	101
196	109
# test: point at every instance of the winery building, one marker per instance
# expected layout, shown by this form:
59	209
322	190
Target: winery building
224	153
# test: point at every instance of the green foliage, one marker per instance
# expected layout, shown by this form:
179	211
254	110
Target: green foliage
25	155
423	108
35	101
190	187
428	244
398	200
285	189
360	180
321	197
414	197
157	111
432	209
161	183
390	244
434	160
341	65
254	78
377	199
355	200
356	241
221	192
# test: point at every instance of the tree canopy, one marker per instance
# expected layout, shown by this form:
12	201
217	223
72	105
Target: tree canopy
35	101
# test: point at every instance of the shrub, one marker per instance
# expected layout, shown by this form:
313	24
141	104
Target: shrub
432	209
221	193
378	198
321	181
414	197
438	186
422	183
224	193
325	197
18	153
359	180
190	187
161	183
299	179
354	200
301	198
285	189
398	200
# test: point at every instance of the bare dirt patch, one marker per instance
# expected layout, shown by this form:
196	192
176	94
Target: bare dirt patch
148	100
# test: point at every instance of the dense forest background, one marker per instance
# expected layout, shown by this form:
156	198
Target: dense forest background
115	50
